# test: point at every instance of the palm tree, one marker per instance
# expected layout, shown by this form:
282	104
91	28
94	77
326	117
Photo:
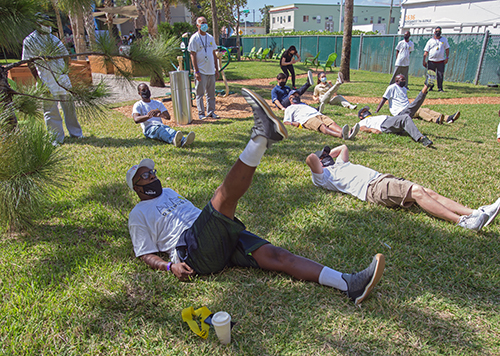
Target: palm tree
347	40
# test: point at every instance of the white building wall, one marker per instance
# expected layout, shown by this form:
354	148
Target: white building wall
454	16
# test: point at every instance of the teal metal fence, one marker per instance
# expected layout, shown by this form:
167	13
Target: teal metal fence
474	58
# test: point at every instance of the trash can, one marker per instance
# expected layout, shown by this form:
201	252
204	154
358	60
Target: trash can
181	96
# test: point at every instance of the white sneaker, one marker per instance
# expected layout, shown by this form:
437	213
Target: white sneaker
178	139
310	78
354	131
473	222
490	210
345	132
353	107
189	139
340	78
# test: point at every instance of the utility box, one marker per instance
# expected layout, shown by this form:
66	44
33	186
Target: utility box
180	87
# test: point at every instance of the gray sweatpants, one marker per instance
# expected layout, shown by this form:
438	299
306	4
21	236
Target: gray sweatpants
400	124
53	118
206	85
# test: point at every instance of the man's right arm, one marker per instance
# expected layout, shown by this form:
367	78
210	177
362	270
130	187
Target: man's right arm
366	129
181	270
382	102
195	66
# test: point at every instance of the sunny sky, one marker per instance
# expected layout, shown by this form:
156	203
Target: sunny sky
257	4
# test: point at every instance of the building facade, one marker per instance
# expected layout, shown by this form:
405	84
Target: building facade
454	16
315	17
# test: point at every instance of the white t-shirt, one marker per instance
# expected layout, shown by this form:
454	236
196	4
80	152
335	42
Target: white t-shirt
204	46
142	108
345	177
398	98
156	225
404	48
437	49
373	122
299	113
38	44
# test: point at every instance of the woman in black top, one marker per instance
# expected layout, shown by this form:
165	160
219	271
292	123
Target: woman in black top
287	61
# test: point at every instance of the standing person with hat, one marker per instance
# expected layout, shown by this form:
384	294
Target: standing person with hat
436	53
403	50
202	49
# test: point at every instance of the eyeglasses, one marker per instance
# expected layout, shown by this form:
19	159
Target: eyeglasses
146	175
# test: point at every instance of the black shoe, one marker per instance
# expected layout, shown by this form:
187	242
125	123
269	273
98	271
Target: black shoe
430	79
452	118
441	90
324	157
265	122
425	141
359	285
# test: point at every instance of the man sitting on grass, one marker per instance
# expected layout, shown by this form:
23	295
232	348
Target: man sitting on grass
280	95
205	241
302	115
397	94
150	113
364	183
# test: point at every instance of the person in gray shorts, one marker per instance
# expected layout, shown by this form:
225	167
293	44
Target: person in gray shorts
332	170
206	241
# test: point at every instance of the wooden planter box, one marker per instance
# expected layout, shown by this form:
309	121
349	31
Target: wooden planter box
97	65
128	66
80	71
21	75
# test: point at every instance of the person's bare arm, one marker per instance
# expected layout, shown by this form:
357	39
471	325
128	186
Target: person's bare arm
425	59
366	129
216	61
382	102
341	151
278	104
294	124
181	270
284	63
195	66
447	54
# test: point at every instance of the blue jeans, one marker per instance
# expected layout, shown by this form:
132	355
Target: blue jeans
160	132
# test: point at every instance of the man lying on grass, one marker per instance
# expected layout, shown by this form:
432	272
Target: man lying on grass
205	241
364	183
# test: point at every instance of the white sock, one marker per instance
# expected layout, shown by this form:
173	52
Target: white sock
254	151
331	278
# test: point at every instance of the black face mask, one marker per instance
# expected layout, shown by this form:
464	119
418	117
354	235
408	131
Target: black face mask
282	84
295	99
364	115
437	33
146	94
152	189
402	83
407	37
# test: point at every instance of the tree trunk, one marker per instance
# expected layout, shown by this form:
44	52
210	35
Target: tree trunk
151	7
347	40
76	18
166	9
109	17
238	35
194	16
215	24
88	20
59	21
140	21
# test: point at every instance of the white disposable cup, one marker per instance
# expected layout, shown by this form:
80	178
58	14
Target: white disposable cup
222	324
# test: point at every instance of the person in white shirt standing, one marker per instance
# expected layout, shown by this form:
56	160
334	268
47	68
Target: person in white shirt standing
41	43
436	53
403	50
202	48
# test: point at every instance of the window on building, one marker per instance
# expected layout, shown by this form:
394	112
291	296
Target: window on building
289	18
318	19
393	19
379	20
329	26
274	19
306	18
284	19
371	19
366	19
355	19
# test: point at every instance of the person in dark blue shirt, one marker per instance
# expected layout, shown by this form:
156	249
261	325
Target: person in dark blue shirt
280	95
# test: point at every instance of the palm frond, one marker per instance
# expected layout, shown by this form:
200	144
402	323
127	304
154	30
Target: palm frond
17	20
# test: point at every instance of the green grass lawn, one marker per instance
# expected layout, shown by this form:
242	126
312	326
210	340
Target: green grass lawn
72	286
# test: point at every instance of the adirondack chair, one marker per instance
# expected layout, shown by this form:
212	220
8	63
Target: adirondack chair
313	60
250	55
329	62
264	54
257	54
278	55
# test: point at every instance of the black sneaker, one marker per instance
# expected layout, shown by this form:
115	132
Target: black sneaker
452	118
265	122
323	153
359	285
425	141
430	79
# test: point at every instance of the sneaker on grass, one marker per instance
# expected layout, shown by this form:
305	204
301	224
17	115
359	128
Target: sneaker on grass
345	132
452	118
189	139
178	139
430	79
265	122
359	285
473	222
490	210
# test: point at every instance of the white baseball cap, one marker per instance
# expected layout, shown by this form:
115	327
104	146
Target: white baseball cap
149	163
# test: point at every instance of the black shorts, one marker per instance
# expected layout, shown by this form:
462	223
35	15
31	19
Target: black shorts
215	241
